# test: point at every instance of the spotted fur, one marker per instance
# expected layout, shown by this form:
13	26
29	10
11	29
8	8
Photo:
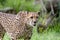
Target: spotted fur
19	25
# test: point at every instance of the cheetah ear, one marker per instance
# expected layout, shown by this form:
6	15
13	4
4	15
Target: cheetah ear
18	15
38	13
21	13
27	12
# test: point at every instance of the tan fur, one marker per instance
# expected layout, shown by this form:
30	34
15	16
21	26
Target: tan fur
19	25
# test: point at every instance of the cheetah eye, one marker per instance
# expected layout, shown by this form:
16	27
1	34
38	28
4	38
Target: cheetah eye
31	17
36	17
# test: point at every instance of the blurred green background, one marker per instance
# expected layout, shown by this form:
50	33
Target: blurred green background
51	33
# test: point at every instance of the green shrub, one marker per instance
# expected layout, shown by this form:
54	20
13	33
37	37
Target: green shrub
22	5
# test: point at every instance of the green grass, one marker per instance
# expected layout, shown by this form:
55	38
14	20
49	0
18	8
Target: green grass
46	36
21	5
6	37
50	34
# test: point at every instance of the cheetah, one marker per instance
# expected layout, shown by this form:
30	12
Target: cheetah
19	25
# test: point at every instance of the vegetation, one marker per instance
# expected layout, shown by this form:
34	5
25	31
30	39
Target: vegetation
51	33
21	5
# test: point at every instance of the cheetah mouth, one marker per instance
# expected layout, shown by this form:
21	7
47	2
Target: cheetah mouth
31	25
34	24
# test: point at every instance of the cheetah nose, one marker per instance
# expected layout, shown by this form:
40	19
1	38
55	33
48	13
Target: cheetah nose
35	22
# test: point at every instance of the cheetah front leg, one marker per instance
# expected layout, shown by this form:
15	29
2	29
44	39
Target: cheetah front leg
28	34
2	32
12	36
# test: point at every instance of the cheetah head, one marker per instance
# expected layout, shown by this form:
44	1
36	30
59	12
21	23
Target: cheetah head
30	18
